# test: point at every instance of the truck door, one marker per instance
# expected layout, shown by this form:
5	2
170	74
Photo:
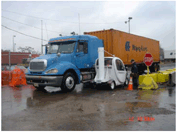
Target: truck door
120	71
81	57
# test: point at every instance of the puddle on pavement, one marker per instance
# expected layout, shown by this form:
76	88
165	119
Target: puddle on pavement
14	99
18	99
78	89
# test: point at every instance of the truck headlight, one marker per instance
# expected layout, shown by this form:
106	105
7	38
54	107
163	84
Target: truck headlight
51	71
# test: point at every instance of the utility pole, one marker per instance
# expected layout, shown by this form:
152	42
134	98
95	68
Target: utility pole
9	65
128	22
13	43
9	61
41	38
14	47
79	22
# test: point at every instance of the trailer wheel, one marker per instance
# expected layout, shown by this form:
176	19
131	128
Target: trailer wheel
68	83
88	85
112	85
40	88
158	67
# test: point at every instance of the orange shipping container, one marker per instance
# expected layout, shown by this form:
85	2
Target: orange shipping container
128	46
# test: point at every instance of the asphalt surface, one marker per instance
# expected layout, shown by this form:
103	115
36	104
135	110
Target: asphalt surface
25	108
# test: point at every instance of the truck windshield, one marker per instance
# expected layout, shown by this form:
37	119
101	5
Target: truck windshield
65	47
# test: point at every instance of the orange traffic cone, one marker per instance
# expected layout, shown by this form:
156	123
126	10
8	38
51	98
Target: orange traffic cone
130	85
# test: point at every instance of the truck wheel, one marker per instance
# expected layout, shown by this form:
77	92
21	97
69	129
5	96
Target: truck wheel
68	83
112	85
87	85
41	88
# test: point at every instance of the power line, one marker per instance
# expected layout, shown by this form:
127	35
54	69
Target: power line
28	25
55	20
23	33
37	17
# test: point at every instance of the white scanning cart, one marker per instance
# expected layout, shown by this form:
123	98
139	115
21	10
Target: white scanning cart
110	70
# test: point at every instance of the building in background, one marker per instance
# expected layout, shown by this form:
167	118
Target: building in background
16	58
170	55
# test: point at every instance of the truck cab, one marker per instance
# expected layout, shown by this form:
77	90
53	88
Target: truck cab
68	61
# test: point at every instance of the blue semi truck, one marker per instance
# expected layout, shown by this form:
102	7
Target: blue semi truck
67	61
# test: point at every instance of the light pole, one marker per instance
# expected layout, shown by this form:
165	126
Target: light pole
14	47
41	38
129	22
79	23
13	42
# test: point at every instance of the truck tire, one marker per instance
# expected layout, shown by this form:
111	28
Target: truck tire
88	85
40	88
68	82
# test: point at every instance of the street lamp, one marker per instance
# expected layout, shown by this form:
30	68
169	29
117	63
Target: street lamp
129	22
14	47
13	42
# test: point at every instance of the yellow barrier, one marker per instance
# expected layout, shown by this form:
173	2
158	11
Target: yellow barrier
148	83
154	76
159	77
141	77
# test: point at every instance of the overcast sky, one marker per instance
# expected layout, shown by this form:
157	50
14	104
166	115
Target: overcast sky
156	20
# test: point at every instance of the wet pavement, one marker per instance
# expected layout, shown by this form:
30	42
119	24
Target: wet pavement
25	108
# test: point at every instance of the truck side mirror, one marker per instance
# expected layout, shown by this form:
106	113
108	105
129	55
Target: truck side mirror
58	54
85	46
45	49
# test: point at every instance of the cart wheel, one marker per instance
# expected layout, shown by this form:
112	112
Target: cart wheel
112	85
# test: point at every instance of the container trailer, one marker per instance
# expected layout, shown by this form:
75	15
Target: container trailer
128	46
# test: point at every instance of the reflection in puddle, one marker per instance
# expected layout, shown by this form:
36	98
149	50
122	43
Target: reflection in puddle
170	91
18	99
52	89
40	98
14	99
78	89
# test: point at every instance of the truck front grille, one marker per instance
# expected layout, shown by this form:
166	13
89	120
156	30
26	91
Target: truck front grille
37	66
